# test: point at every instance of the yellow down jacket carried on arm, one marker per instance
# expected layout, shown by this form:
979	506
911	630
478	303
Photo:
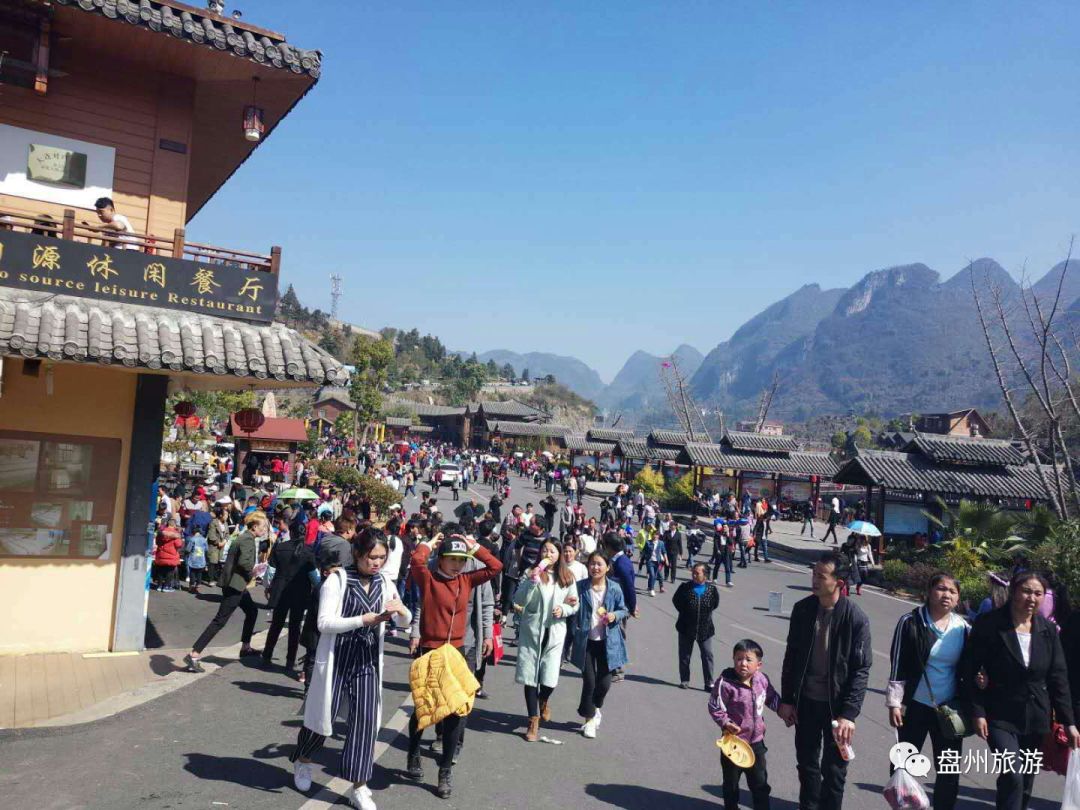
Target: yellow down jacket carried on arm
442	684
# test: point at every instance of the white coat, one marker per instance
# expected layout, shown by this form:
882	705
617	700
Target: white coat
318	705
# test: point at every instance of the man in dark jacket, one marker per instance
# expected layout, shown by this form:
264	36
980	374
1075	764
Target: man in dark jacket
826	668
622	571
695	602
290	590
674	541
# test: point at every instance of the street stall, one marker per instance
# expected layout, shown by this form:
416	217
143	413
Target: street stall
258	445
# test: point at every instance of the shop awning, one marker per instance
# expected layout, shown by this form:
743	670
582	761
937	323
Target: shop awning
82	330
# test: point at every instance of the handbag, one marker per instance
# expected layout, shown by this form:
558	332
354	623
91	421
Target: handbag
951	722
1055	750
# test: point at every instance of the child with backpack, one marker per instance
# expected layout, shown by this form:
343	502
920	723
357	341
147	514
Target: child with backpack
195	550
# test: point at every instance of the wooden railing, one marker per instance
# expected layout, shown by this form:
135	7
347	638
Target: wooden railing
175	246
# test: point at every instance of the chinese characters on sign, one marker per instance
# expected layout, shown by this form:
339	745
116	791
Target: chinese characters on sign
1026	762
47	264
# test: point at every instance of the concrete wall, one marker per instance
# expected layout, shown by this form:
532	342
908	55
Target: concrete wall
65	605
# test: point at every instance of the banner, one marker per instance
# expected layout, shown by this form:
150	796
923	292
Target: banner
49	264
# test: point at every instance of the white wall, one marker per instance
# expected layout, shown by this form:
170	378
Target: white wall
15	148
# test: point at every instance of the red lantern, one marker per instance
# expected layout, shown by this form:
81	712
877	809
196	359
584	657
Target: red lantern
249	419
192	423
184	409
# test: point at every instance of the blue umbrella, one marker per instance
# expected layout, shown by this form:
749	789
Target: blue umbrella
864	527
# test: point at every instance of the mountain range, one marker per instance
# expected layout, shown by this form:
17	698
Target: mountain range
900	340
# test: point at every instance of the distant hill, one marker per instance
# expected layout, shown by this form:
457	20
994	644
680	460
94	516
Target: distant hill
637	386
898	340
568	371
733	374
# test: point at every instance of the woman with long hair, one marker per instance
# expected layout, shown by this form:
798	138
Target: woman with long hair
355	604
925	672
1026	679
546	596
598	644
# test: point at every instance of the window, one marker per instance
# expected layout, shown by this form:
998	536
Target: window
57	495
18	49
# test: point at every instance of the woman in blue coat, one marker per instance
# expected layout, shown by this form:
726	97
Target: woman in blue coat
599	646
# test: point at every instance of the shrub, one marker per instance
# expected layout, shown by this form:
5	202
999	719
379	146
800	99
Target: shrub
679	493
893	571
381	495
973	590
917	575
963	562
346	477
651	482
1059	557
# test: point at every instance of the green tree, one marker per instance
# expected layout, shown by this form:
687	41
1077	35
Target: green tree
525	375
651	482
466	383
508	372
372	360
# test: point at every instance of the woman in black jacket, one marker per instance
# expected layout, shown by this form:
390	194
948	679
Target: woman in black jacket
695	602
1026	676
927	650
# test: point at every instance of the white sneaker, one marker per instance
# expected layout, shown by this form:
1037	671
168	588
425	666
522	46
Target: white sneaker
597	718
301	776
360	798
652	593
589	729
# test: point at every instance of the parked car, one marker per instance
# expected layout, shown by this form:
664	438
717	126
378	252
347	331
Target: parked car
450	473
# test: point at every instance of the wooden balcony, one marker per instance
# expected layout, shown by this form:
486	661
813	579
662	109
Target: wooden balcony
175	246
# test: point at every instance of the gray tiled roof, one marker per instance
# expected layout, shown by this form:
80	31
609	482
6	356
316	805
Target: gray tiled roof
63	327
914	472
640	449
203	27
334	393
511	408
672	438
580	444
609	434
742	440
526	429
424	409
721	455
962	450
398	421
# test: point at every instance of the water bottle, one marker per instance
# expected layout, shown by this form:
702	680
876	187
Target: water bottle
847	753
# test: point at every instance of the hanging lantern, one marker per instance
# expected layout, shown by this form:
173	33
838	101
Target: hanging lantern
249	419
192	423
253	115
184	409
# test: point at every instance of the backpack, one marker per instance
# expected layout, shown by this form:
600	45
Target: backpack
196	556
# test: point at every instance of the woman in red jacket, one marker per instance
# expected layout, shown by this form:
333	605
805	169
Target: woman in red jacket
167	555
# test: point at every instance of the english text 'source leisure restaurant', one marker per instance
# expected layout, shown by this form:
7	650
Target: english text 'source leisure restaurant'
153	105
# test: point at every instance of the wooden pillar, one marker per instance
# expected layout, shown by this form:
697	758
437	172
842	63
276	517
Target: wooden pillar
41	58
178	244
67	229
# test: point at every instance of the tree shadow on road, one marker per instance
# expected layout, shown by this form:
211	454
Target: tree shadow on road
243	771
746	800
637	797
269	689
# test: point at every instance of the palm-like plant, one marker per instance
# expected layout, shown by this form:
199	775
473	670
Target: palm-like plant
983	529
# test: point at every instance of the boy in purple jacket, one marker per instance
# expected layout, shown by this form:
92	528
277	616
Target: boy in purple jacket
738	702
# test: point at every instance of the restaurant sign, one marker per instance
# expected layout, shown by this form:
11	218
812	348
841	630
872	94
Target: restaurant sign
48	264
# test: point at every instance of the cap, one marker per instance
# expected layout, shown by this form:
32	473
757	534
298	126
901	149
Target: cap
326	509
454	547
395	506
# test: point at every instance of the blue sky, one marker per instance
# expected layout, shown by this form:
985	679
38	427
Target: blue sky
595	178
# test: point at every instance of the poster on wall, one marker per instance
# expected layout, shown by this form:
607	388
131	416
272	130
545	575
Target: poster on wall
18	464
57	495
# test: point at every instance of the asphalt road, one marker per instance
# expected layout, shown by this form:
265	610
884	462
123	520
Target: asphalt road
224	740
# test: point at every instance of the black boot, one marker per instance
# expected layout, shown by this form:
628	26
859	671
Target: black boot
414	768
444	787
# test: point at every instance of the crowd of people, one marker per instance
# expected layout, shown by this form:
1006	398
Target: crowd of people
344	578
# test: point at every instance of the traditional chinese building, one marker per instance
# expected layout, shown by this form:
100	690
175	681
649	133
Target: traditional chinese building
153	104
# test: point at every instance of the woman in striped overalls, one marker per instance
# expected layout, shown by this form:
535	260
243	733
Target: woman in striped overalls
354	606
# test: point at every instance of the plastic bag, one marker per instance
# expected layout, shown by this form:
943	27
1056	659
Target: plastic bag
903	792
1070	799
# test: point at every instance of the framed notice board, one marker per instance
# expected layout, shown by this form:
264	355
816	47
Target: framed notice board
57	494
